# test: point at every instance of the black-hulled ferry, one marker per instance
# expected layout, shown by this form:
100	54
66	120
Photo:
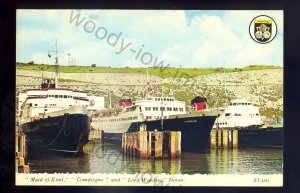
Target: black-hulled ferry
157	113
54	119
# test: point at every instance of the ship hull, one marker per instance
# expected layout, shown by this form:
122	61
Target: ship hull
271	137
195	131
65	134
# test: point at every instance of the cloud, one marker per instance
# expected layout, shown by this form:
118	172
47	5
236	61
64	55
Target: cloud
204	40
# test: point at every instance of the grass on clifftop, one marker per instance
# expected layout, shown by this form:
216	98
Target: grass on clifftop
162	72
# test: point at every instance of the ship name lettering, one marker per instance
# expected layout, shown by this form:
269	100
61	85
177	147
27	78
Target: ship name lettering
190	121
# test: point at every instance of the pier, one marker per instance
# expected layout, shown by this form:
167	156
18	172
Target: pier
21	152
96	135
152	144
224	138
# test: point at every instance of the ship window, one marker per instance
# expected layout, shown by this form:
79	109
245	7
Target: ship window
60	96
165	99
56	96
162	108
227	114
65	96
35	104
257	114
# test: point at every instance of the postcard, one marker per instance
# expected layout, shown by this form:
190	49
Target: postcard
149	97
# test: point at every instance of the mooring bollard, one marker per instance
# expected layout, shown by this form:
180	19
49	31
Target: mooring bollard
21	153
213	139
175	144
230	138
158	144
219	134
235	138
225	138
143	145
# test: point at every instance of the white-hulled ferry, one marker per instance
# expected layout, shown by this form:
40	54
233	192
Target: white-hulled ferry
241	114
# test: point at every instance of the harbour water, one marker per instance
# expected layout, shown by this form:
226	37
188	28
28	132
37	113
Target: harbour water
107	158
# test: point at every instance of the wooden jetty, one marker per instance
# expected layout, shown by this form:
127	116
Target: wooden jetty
152	144
224	138
96	135
21	152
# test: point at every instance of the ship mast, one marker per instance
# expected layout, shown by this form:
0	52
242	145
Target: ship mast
224	79
56	65
225	86
147	88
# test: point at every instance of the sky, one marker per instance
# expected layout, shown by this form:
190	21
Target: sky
146	38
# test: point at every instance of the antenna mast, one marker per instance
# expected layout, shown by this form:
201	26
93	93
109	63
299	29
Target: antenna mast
225	81
56	66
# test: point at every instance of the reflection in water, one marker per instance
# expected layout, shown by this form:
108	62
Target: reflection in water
109	159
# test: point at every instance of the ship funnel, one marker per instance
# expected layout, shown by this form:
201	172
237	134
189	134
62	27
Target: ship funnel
125	103
198	103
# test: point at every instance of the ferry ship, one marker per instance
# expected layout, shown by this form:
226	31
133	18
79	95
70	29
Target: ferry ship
55	120
241	114
156	113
